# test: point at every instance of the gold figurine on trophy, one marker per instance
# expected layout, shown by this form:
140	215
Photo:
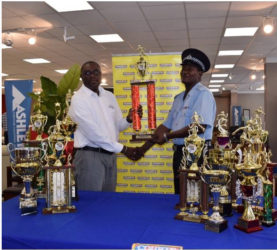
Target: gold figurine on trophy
38	120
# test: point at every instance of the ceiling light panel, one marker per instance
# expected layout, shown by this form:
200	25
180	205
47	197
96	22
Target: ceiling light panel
214	90
61	71
246	31
214	85
36	60
230	52
224	66
70	5
219	75
217	81
108	38
4	46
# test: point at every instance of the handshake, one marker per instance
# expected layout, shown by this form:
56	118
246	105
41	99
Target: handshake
135	153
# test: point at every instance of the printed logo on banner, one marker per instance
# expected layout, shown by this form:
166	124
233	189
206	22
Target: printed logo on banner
172	72
165	80
18	105
120	66
121	81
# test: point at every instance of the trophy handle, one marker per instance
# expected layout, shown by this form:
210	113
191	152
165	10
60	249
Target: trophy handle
240	155
12	166
44	147
11	148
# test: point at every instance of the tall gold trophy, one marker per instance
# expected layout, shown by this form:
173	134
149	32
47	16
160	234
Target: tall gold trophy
38	122
26	162
58	172
193	195
141	67
253	171
222	157
248	189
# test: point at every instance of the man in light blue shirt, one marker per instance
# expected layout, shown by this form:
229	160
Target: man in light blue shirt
196	98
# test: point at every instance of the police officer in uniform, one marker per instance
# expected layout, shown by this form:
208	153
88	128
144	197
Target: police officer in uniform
196	98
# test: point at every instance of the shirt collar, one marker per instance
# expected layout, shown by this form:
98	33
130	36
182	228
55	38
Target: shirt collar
193	88
92	93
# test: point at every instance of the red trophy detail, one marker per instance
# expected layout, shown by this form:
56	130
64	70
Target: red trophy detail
151	106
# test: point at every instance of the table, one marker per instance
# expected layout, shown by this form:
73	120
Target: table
116	221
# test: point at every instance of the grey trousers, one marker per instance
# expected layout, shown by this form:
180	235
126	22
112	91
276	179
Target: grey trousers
95	171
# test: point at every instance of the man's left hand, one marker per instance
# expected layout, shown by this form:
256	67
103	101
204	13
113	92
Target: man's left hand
130	114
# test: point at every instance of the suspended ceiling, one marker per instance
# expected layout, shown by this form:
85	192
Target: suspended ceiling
159	27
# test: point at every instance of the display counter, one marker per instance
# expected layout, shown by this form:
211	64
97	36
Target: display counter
117	220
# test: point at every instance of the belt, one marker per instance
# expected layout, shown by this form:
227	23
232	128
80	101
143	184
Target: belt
178	147
100	150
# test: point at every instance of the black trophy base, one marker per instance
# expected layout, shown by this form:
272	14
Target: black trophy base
248	226
268	223
216	227
225	209
28	210
141	137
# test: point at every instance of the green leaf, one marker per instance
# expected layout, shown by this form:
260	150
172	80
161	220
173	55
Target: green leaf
70	80
48	86
33	96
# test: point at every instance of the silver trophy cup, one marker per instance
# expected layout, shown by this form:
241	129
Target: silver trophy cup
26	163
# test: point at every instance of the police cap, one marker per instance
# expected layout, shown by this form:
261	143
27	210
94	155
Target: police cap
196	57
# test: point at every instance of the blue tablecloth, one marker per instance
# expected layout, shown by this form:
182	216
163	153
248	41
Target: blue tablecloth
117	220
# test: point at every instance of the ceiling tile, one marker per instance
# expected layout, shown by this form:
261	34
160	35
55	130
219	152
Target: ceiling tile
28	8
206	23
158	12
168	24
251	8
199	10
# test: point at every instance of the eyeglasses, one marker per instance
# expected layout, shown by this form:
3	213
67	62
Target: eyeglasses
95	72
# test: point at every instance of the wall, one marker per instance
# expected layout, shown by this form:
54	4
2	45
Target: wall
271	106
251	101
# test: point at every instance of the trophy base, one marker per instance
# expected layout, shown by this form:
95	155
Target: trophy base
28	205
268	223
141	137
216	227
59	210
274	214
28	210
248	226
225	209
41	195
184	216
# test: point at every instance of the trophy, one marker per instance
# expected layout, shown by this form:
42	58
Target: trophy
216	179
26	162
56	140
38	121
141	67
249	189
193	193
58	172
222	157
68	127
268	201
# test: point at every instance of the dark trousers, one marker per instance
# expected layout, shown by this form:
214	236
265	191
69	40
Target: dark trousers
177	158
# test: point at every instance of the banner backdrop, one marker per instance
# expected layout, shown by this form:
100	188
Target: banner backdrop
18	104
152	173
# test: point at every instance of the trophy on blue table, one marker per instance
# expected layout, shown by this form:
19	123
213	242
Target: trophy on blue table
26	162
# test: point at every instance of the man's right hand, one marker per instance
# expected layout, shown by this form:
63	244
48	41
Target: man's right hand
132	153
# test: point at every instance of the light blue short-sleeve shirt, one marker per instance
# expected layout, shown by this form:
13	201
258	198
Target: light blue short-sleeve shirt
200	100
